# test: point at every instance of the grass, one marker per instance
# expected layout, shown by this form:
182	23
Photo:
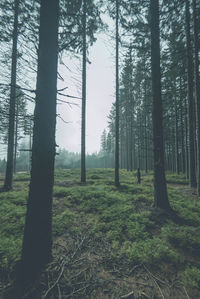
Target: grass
123	216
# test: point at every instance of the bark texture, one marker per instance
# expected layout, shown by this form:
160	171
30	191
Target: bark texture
117	99
160	188
37	241
83	167
192	168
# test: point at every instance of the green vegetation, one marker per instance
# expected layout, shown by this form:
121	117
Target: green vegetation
125	217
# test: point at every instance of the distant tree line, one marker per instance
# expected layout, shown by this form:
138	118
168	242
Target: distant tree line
63	160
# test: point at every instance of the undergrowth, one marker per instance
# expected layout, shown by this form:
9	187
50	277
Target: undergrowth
121	215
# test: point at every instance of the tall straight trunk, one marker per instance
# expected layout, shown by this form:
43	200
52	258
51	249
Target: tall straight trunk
131	144
83	168
182	129
176	138
117	99
197	90
134	151
16	134
192	172
146	146
160	188
145	128
173	150
127	135
11	126
186	141
121	150
37	241
30	143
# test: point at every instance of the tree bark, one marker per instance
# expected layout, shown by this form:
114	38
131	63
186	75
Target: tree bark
176	138
197	90
11	126
186	140
182	129
37	241
83	167
16	134
117	99
160	188
192	171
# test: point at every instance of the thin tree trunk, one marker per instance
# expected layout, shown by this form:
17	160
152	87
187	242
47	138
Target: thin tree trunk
145	128
197	90
176	138
30	144
160	188
16	134
131	144
11	127
37	241
186	141
192	172
83	168
134	151
117	100
182	130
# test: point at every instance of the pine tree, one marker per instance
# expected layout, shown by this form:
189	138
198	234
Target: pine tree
160	188
37	241
10	151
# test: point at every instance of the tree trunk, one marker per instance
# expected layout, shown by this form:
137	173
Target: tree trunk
11	125
16	134
37	241
83	168
186	141
182	130
176	138
30	144
192	173
117	100
131	144
197	91
160	188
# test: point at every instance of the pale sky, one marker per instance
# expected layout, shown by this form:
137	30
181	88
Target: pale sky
100	95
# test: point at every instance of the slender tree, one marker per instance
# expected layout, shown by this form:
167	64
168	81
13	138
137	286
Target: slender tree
37	241
117	98
11	126
160	188
83	168
192	168
197	90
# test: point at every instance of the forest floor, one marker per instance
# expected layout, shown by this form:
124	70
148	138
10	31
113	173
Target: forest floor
109	242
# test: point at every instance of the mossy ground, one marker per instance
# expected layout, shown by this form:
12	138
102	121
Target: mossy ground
114	239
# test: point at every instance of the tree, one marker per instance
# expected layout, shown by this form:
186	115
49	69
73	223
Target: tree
83	169
37	241
117	97
10	151
197	89
20	119
160	188
192	173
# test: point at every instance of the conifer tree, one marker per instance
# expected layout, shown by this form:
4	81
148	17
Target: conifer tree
37	241
160	188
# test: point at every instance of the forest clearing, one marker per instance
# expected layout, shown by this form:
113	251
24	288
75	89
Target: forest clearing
109	242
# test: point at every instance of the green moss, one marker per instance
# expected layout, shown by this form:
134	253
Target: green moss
120	215
63	222
185	237
150	251
192	276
